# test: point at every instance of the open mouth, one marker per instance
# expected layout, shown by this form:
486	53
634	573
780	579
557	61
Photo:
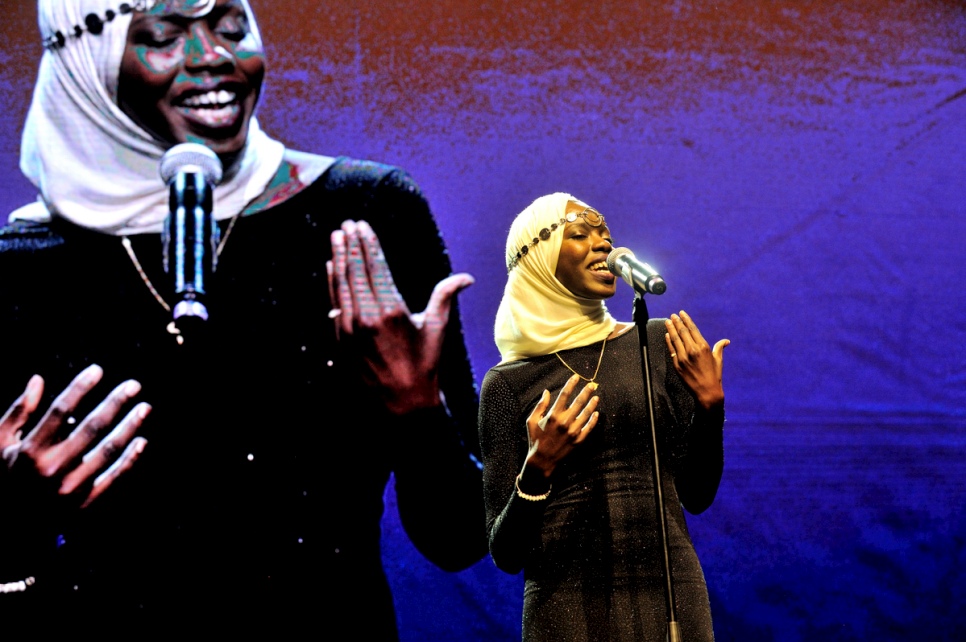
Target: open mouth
214	109
601	273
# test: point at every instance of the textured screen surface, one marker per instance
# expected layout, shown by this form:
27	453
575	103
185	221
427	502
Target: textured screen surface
793	169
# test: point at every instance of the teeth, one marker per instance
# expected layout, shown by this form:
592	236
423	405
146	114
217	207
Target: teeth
212	98
216	117
602	265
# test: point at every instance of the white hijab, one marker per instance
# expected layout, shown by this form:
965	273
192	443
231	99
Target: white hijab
90	162
538	314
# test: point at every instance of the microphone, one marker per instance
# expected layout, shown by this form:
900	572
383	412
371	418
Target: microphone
639	275
190	236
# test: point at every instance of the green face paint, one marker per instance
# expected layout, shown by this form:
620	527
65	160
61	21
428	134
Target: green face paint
193	78
184	8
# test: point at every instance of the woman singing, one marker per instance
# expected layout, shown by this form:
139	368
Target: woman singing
272	434
566	441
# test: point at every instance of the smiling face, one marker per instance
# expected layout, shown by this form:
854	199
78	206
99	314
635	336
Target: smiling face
582	262
192	78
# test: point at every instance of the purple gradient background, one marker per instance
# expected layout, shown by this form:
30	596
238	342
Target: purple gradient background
794	170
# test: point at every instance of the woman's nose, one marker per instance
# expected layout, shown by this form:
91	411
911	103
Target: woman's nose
203	50
601	242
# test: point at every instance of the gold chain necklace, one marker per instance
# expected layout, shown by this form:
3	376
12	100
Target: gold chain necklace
600	359
172	327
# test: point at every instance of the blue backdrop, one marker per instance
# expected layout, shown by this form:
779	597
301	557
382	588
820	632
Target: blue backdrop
793	169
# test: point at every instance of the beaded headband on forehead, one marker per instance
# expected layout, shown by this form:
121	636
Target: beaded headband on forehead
94	24
589	214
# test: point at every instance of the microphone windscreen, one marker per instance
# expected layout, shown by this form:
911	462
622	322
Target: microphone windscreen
193	157
615	254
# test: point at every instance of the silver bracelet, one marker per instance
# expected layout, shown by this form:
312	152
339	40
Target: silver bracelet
17	587
531	498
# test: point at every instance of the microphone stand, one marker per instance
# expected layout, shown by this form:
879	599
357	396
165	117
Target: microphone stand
640	319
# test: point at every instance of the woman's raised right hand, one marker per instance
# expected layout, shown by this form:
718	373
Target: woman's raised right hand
555	430
46	466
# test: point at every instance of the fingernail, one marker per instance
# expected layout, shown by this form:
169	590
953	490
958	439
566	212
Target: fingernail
593	385
143	409
34	386
92	374
131	388
139	444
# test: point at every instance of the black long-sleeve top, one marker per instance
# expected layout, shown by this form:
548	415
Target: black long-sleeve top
590	552
261	490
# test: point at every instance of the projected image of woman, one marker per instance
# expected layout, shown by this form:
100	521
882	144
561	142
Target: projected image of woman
566	442
269	437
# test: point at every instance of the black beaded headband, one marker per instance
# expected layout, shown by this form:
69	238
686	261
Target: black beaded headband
94	24
592	216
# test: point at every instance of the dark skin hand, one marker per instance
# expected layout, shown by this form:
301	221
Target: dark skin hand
699	365
76	468
399	350
554	431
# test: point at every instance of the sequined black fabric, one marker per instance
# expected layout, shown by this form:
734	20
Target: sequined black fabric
591	553
259	496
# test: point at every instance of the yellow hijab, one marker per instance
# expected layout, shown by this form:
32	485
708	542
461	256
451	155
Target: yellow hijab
538	315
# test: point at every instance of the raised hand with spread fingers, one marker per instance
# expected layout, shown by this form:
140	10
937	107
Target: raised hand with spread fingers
72	470
699	365
399	350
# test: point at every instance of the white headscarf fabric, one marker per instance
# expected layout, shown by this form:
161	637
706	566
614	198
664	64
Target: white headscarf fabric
90	162
538	314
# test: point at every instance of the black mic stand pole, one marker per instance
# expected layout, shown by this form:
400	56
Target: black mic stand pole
640	319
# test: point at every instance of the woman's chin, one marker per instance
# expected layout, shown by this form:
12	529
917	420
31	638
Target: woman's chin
227	145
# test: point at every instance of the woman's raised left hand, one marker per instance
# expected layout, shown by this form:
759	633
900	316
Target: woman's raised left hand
699	365
399	350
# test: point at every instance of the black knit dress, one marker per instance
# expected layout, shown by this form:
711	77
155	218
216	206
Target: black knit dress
591	553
